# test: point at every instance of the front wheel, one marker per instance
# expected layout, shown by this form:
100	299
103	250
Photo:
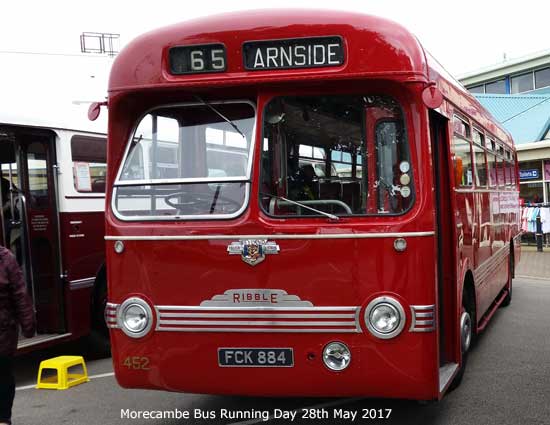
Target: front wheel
99	335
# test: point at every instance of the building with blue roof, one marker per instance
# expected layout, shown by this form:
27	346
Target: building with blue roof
525	116
517	93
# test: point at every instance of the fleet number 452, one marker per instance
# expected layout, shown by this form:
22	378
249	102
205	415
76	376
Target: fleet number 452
136	363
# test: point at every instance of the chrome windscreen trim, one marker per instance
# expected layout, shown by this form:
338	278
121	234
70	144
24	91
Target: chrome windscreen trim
422	318
272	236
190	180
244	179
158	218
253	319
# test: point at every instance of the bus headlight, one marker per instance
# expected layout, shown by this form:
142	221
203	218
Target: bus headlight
336	356
385	317
135	317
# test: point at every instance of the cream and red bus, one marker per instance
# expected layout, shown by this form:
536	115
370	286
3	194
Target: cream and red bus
53	173
301	203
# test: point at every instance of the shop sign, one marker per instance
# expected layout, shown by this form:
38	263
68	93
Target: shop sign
529	174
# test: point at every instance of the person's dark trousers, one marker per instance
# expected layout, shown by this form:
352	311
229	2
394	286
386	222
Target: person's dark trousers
7	388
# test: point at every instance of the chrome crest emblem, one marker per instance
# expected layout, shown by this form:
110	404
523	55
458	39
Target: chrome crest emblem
253	251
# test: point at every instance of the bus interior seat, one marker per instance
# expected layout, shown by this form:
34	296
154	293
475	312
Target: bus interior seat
98	185
351	194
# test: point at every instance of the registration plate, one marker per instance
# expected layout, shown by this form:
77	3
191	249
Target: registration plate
255	357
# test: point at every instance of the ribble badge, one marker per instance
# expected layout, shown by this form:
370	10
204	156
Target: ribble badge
197	59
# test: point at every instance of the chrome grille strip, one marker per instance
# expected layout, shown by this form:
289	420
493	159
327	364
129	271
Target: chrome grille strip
258	308
267	330
253	316
312	319
254	323
422	318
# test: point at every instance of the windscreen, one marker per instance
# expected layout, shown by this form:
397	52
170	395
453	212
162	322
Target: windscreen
336	154
187	161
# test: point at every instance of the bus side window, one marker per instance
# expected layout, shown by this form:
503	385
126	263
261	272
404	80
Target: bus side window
462	160
492	166
509	175
93	152
391	152
500	173
480	167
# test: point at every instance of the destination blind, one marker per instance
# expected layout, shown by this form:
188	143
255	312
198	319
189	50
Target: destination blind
293	53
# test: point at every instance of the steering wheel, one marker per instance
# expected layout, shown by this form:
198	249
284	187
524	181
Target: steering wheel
197	202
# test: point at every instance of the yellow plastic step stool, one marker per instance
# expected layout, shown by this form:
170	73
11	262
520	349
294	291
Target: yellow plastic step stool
63	380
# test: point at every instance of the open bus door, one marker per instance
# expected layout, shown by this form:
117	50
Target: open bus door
29	220
446	289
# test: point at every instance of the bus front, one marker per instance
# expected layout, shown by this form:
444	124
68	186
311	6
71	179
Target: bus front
269	219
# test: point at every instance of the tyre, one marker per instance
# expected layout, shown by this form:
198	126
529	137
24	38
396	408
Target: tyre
99	342
467	335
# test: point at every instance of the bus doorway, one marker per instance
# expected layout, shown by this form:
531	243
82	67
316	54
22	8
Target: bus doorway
29	219
445	263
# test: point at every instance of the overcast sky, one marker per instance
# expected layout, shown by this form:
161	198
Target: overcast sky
463	35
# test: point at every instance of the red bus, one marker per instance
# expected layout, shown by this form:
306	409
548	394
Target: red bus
301	203
53	166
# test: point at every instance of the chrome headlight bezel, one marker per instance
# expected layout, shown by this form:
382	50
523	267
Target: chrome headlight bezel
393	304
148	312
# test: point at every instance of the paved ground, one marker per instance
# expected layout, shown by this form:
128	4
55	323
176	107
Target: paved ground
507	382
534	264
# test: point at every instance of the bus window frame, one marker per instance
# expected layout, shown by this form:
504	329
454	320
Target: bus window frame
407	122
500	165
466	137
76	139
480	145
247	180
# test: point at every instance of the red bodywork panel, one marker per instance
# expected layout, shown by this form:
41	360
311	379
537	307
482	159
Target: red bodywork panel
83	251
381	57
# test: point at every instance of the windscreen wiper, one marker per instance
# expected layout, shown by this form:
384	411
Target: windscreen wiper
227	120
282	198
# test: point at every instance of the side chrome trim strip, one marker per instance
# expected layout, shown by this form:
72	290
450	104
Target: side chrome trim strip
81	283
422	318
40	339
489	266
111	311
274	236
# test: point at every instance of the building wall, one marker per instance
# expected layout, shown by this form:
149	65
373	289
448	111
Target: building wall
534	165
511	76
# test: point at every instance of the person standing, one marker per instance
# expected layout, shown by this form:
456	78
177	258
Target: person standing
15	309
